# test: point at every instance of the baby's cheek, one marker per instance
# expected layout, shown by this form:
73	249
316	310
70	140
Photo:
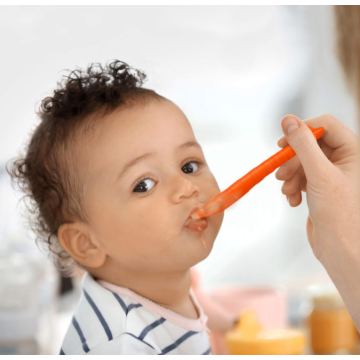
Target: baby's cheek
210	186
157	225
211	189
218	219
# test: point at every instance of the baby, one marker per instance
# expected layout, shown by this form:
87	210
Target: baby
113	172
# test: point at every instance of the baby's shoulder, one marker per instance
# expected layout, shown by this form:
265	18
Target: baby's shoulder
104	319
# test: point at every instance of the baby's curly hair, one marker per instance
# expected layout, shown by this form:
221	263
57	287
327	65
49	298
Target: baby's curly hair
48	173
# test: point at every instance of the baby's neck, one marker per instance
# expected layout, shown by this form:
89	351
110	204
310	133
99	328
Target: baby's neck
170	290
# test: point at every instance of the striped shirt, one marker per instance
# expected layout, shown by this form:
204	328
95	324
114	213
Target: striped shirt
113	320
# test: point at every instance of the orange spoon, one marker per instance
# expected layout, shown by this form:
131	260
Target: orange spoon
225	199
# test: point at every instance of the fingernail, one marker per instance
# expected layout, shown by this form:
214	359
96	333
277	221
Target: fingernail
281	137
290	124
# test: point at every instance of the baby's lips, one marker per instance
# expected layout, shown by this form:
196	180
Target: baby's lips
196	225
196	214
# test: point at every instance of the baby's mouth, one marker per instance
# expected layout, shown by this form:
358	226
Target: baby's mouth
196	225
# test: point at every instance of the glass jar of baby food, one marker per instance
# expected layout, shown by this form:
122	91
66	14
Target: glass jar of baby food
332	330
249	338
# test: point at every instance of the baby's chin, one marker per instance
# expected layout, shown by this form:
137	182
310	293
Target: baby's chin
196	246
203	232
193	242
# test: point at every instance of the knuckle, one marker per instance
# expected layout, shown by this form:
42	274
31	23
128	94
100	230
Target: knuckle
286	187
324	118
280	175
285	172
329	117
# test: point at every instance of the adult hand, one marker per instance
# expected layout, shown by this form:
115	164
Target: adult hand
328	171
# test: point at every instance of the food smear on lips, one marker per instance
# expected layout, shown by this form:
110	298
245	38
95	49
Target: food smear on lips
196	225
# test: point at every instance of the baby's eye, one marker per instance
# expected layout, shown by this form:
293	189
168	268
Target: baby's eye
190	168
144	186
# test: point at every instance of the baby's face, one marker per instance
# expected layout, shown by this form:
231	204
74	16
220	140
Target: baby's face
146	175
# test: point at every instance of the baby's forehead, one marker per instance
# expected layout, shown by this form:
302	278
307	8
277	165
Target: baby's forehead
157	126
154	121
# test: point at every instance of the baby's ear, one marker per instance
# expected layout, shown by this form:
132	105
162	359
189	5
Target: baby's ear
76	241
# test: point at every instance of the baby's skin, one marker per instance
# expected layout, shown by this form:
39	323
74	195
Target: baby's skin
135	236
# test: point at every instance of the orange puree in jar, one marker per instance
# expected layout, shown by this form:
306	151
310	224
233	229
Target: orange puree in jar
249	338
332	330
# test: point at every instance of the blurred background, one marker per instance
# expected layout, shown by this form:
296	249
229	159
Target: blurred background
235	71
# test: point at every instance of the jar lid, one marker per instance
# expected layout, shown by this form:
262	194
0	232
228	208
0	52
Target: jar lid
248	338
325	296
326	301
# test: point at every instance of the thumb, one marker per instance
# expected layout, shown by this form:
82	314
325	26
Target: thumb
303	142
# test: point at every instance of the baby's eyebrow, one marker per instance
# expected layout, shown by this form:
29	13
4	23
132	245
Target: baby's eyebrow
189	144
147	155
133	163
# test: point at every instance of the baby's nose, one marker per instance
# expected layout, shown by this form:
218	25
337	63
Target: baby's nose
184	188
